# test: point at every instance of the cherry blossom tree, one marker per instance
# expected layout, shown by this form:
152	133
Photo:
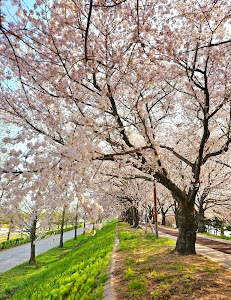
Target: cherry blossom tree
214	191
140	83
165	202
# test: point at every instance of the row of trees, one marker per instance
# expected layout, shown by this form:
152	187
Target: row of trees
137	200
39	215
136	89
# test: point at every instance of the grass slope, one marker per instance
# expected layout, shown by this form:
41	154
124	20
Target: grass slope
78	271
147	268
224	237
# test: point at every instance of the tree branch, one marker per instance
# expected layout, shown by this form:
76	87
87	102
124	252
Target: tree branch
211	45
189	163
87	29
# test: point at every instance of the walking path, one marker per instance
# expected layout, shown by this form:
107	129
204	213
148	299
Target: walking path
217	256
10	258
109	290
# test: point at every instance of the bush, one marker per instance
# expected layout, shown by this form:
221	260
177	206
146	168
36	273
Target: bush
20	241
14	242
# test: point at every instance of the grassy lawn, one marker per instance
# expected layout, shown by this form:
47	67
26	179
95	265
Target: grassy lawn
224	237
145	268
78	271
17	239
148	269
13	236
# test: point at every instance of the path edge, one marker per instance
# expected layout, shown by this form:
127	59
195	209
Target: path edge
109	290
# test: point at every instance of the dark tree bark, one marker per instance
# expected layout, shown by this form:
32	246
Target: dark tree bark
222	230
84	226
76	222
10	228
129	216
187	230
151	213
163	217
175	208
76	226
201	220
136	218
32	260
132	216
62	226
8	234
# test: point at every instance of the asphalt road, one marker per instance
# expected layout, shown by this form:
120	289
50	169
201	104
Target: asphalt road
10	258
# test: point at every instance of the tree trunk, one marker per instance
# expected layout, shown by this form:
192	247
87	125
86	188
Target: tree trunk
76	226
84	226
187	230
136	219
62	226
151	214
32	260
222	230
76	221
201	220
8	234
129	218
10	228
163	216
176	212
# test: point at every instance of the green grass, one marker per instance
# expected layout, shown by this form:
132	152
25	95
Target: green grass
15	235
23	238
129	273
78	271
13	242
137	286
149	269
224	237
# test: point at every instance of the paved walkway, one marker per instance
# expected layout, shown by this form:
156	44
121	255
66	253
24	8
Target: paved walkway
217	256
10	258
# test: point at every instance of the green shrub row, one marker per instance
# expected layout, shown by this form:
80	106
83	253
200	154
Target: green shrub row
14	242
20	241
79	275
57	231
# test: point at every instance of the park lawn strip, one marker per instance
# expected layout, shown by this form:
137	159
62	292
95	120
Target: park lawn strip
223	237
78	271
13	242
146	268
22	238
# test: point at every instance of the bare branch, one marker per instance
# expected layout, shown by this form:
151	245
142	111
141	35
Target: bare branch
210	45
189	163
87	29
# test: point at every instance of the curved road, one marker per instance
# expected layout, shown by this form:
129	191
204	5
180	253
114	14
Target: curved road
10	258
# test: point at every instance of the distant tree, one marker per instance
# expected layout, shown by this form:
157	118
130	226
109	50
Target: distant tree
214	192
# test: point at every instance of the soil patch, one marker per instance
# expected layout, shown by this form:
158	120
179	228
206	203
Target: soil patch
147	269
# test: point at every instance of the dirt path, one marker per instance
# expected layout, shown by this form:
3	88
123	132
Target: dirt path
109	289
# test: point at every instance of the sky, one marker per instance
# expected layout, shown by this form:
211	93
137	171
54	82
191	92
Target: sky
10	10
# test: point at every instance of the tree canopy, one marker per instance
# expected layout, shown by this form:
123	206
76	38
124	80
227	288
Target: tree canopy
144	85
